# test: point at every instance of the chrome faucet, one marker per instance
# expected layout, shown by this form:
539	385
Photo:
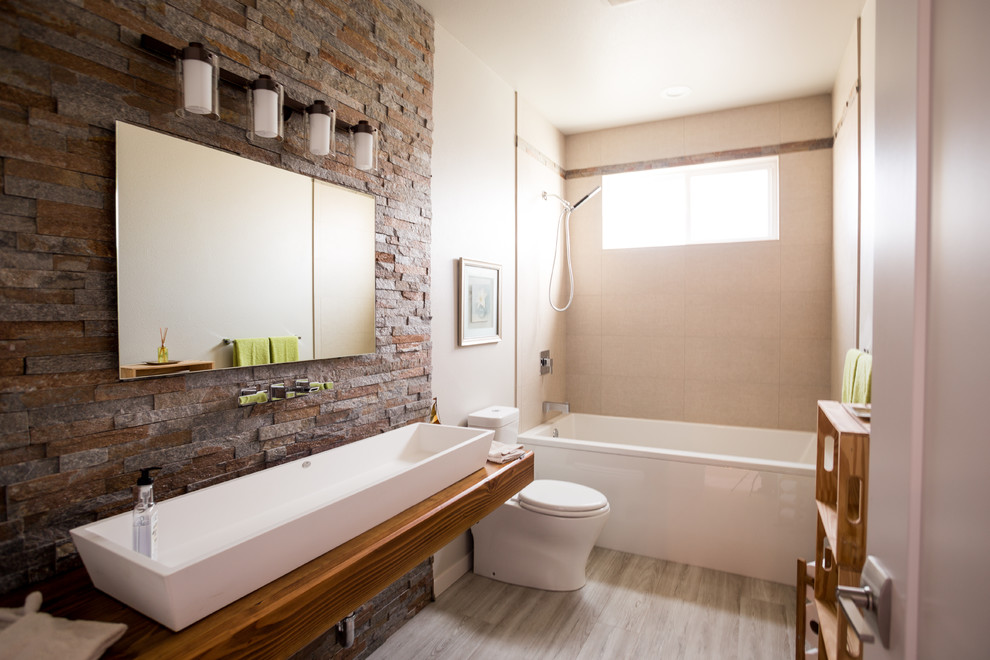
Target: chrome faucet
562	407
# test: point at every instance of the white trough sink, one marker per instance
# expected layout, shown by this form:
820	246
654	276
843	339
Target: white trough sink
221	543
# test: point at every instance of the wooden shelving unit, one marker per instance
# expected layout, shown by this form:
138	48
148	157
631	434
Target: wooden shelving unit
841	493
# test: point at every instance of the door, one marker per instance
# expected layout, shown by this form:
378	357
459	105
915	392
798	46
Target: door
929	523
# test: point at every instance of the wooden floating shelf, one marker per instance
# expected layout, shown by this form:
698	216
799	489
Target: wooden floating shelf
137	370
283	616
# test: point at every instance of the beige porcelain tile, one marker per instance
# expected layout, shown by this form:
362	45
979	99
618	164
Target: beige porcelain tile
583	150
643	142
732	360
661	357
809	118
806	314
806	267
643	270
806	197
629	356
629	396
741	314
733	267
670	315
805	362
584	393
584	355
587	273
799	405
585	315
639	396
735	404
630	315
751	126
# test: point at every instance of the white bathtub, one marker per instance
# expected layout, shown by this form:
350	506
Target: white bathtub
730	498
221	543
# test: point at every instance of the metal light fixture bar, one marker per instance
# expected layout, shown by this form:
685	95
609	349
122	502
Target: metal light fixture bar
171	53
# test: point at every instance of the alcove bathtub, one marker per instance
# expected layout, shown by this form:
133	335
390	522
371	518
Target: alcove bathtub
735	499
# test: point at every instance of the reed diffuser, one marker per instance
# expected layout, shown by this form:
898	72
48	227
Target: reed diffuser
162	350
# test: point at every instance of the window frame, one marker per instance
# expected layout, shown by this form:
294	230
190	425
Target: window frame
770	164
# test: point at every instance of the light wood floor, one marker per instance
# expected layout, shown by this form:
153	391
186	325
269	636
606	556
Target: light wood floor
631	607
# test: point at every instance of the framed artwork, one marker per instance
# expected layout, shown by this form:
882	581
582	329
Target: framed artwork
480	302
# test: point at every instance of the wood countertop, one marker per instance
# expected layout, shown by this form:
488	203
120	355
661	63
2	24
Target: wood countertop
285	615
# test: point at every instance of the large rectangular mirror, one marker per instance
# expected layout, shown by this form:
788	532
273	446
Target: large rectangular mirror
216	247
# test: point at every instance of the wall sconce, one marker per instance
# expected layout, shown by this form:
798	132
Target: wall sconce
198	74
321	123
265	99
365	146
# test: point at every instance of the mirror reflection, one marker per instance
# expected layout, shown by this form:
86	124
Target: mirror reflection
237	259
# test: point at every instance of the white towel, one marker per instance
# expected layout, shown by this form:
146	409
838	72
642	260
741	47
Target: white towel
27	634
503	453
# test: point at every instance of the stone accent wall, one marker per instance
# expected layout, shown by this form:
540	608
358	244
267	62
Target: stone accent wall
72	435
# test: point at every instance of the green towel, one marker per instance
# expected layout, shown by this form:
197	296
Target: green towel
284	349
251	351
863	382
849	374
248	399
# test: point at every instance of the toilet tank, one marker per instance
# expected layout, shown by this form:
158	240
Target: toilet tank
504	420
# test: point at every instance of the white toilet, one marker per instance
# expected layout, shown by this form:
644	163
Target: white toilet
542	537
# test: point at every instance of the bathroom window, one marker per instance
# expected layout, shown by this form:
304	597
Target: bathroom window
708	203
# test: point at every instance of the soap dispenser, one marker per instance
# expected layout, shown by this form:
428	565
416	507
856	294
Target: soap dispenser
146	516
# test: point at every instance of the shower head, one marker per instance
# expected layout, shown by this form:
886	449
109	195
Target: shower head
567	205
588	196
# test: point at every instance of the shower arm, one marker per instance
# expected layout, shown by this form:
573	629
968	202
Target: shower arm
567	205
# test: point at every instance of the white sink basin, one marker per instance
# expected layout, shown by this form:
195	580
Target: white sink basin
221	543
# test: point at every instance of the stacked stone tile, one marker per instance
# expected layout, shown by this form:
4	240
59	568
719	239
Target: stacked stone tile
72	435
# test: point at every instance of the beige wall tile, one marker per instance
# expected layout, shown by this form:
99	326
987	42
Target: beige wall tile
752	126
642	396
583	150
806	314
585	315
642	142
587	273
806	267
652	270
806	197
584	393
805	362
735	404
732	359
630	315
584	355
799	406
629	356
809	118
732	267
739	314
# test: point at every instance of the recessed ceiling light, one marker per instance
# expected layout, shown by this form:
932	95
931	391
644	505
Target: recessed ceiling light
676	92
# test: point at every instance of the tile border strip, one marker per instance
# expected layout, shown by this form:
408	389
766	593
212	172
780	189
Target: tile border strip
697	159
541	157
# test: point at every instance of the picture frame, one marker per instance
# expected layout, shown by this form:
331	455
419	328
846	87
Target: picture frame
479	302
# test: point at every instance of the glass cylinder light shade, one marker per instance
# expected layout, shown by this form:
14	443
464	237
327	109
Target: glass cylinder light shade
365	146
320	126
198	74
265	105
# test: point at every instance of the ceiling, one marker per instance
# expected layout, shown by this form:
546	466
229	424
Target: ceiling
591	64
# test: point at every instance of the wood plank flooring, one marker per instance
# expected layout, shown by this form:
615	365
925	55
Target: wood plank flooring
631	607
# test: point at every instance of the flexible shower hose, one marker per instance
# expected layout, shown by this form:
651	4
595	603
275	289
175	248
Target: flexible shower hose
565	218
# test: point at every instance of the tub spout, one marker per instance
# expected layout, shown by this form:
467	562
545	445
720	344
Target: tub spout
562	407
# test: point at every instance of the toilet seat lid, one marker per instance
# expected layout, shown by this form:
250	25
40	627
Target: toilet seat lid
562	498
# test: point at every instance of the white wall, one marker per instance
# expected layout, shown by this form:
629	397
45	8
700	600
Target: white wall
473	191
